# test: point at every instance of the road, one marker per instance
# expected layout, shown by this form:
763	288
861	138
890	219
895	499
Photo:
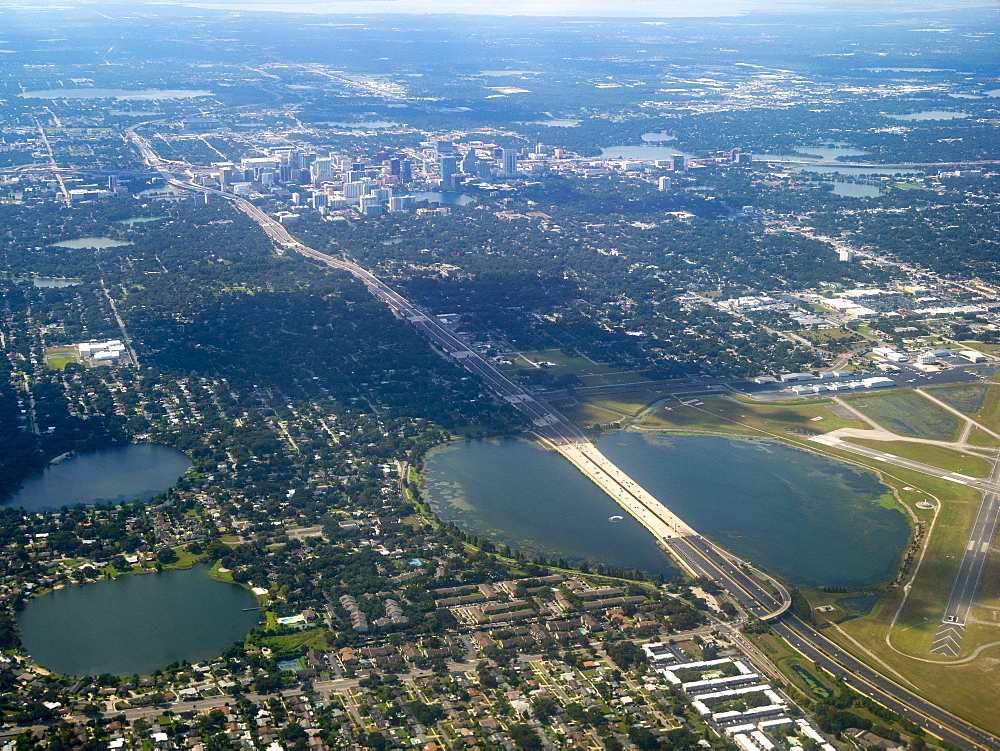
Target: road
695	553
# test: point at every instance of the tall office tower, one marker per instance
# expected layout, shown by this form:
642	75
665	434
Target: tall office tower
319	199
112	183
540	149
664	183
509	162
677	162
444	147
320	170
353	191
469	162
395	166
734	155
406	171
228	176
448	166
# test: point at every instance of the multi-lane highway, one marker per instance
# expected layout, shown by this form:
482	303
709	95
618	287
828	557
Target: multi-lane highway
759	595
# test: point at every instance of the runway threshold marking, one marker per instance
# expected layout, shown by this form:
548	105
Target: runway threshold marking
948	640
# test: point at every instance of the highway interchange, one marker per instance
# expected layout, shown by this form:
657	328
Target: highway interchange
696	554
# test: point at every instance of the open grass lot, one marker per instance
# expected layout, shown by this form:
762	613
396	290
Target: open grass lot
562	363
988	414
728	415
978	400
936	456
989	585
966	397
613	379
603	409
989	349
289	643
979	437
587	413
590	373
907	413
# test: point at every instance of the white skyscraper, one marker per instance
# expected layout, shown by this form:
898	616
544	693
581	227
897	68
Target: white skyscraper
509	162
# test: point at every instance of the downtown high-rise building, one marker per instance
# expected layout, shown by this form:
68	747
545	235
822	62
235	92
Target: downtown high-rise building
509	166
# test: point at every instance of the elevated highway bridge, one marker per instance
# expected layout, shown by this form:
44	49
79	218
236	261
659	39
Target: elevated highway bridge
761	596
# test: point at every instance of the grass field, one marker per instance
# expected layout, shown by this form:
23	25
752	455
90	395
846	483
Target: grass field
291	643
967	690
58	358
726	415
556	362
562	363
979	437
966	397
907	413
604	409
936	456
800	672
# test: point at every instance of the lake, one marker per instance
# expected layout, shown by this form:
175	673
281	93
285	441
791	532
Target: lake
139	220
452	199
802	516
646	152
92	243
799	515
121	474
137	623
555	123
50	282
854	190
144	94
931	115
825	169
516	493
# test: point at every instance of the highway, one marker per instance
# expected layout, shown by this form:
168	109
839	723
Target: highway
695	553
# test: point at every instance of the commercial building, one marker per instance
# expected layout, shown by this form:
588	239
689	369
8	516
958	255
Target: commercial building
509	162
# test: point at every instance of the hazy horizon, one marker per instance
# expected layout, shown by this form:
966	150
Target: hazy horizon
545	8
